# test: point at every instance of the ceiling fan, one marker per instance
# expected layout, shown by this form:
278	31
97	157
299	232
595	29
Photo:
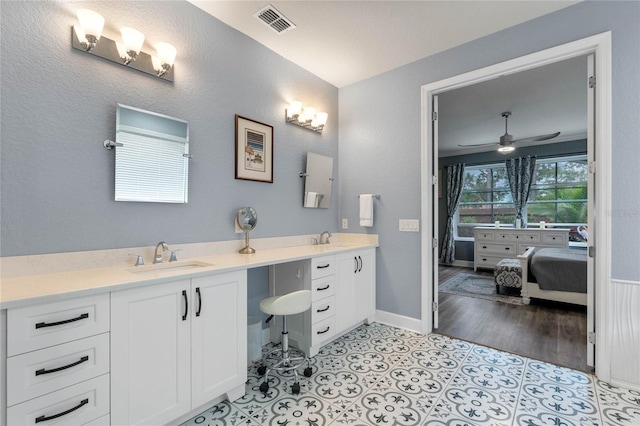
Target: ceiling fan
507	141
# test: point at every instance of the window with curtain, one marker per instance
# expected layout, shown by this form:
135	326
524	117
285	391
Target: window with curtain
558	196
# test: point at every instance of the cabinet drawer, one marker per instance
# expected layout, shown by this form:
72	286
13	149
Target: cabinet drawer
506	249
484	235
322	287
41	326
102	421
554	239
503	236
487	261
322	266
322	309
322	331
526	237
39	372
75	405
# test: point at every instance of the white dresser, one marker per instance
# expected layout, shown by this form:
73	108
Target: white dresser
494	244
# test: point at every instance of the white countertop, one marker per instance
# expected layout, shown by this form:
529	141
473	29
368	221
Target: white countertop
31	289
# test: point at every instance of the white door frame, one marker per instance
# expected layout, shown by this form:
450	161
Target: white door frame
600	45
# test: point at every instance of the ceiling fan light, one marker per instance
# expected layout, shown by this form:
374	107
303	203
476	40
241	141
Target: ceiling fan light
506	149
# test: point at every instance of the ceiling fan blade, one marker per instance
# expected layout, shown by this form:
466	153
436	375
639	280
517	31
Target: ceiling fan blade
481	144
538	138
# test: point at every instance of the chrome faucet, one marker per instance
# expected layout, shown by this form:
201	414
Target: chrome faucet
162	246
324	237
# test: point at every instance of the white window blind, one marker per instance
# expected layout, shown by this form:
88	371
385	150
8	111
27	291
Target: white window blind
151	167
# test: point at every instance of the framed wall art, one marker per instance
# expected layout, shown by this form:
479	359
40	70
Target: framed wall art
254	150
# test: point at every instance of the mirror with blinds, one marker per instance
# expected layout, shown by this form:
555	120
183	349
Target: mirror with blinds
152	157
317	183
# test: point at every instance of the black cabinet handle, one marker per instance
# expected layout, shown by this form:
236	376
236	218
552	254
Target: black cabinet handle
507	248
186	305
323	310
43	371
323	288
323	331
64	413
360	268
199	301
355	259
53	324
323	266
484	260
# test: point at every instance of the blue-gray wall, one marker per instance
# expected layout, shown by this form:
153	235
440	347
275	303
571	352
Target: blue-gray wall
464	249
59	105
380	138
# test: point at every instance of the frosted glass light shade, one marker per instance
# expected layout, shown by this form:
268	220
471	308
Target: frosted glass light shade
166	53
91	22
320	119
294	108
506	149
132	39
307	114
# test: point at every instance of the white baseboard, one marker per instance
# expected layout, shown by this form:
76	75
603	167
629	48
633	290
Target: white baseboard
399	321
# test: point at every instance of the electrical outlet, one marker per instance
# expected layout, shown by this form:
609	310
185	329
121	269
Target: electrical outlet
236	227
345	223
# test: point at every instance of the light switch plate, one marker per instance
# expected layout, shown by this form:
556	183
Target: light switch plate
409	225
345	223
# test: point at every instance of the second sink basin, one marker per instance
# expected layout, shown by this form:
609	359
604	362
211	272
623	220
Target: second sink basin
181	265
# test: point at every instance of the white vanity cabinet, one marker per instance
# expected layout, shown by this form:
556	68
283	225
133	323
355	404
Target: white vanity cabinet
176	346
491	245
355	289
343	295
57	362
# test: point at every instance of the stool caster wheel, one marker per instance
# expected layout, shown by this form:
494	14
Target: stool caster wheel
261	370
308	372
264	387
295	388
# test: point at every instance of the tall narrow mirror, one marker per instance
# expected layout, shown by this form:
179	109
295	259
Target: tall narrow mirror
152	157
318	179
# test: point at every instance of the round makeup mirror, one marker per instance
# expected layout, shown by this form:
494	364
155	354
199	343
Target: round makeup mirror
247	219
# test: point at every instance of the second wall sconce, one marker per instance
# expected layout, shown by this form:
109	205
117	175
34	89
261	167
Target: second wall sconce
306	117
87	36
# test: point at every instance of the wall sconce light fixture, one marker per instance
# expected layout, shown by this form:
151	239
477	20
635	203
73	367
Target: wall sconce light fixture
87	36
306	117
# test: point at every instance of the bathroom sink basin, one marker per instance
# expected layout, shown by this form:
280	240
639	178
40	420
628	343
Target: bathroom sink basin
183	265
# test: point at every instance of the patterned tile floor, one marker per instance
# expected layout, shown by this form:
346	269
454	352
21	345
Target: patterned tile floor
381	375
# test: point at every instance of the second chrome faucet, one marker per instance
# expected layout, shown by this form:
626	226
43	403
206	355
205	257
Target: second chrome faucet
160	247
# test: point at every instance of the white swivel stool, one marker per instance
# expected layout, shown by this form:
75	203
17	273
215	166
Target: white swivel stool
280	359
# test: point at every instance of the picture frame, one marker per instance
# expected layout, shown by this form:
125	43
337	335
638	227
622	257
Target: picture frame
254	150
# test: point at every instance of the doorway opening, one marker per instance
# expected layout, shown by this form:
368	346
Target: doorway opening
600	132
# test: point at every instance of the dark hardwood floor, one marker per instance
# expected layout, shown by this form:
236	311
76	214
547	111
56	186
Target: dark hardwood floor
543	330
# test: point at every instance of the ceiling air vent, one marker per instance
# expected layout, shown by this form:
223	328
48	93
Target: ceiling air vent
274	19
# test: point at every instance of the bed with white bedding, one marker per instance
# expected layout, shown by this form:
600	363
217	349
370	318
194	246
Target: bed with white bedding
554	274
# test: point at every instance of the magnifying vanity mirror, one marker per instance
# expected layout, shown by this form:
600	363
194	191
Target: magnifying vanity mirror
247	219
317	183
152	157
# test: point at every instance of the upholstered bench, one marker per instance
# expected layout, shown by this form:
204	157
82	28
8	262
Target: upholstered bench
508	273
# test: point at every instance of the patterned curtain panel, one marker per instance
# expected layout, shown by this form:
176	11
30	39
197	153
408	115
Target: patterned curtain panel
520	174
455	173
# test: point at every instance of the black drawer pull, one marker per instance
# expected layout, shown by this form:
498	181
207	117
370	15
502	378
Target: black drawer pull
43	371
360	268
323	331
484	247
186	305
323	310
323	288
507	248
53	324
199	301
64	413
323	266
484	260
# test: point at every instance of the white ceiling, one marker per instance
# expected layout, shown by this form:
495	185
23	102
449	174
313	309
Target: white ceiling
344	42
543	100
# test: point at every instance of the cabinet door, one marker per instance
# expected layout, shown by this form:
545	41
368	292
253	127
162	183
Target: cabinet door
366	284
218	335
150	354
345	291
